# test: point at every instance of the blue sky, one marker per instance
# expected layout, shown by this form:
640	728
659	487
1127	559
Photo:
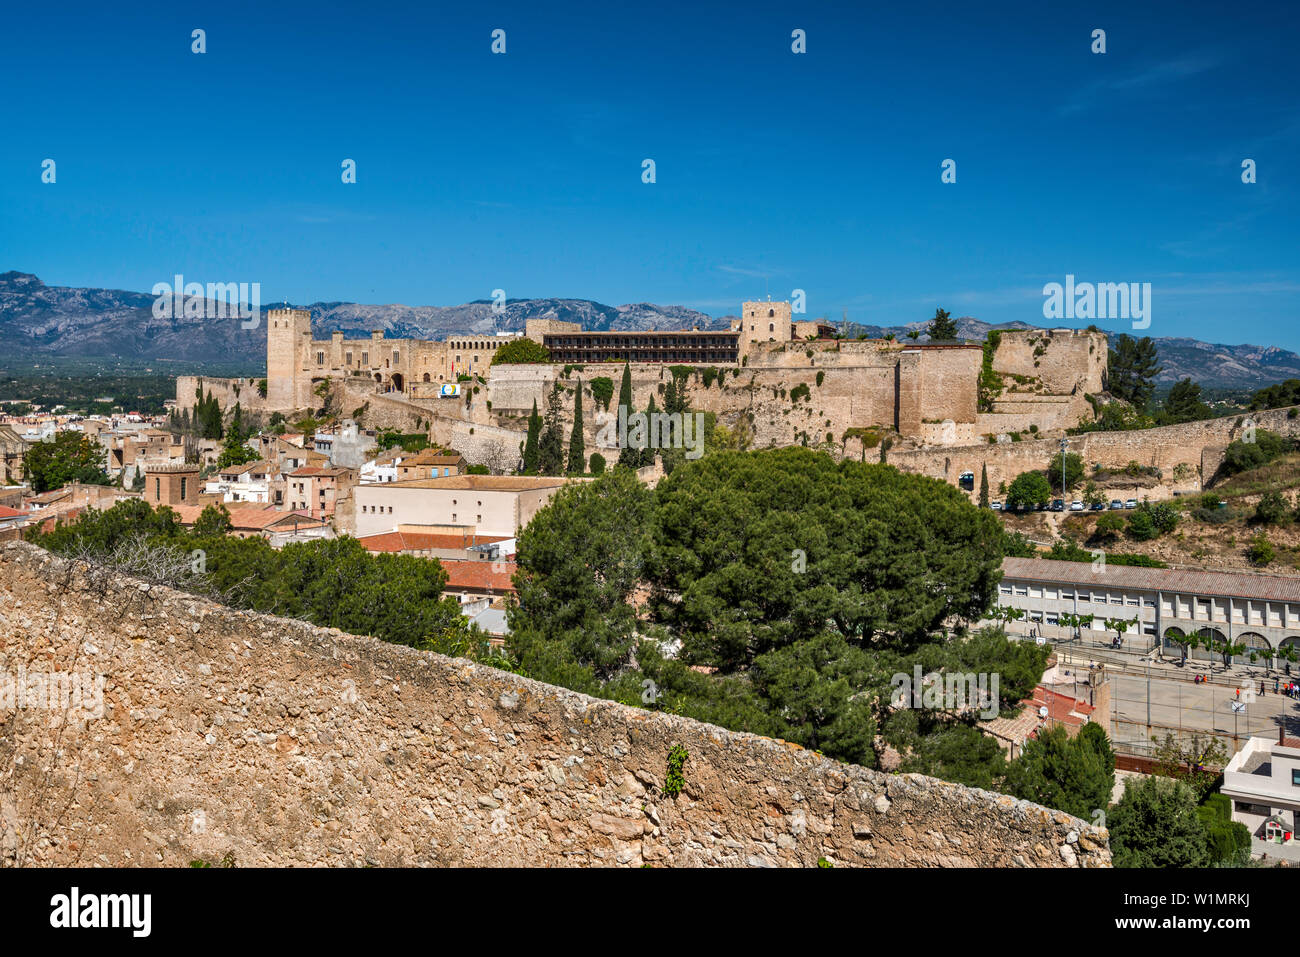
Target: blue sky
775	171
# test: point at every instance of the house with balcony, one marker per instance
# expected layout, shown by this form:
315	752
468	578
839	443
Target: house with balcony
1263	782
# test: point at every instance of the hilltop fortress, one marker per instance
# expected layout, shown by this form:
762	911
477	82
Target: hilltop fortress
791	379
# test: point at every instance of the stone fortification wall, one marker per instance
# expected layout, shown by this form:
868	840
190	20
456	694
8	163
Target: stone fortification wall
225	735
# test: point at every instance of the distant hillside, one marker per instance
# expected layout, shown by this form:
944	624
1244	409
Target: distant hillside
38	321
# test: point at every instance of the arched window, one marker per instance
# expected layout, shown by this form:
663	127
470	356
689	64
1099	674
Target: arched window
771	327
771	312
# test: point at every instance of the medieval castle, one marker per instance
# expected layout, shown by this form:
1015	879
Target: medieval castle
1034	381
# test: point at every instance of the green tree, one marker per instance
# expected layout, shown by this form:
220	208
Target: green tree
942	328
984	486
68	457
577	445
597	464
1132	370
531	445
602	390
1260	551
520	350
1070	774
811	687
1155	824
1109	526
626	455
213	520
1029	488
1151	521
1227	841
550	448
580	559
1073	471
234	451
1184	404
754	551
1271	509
1241	455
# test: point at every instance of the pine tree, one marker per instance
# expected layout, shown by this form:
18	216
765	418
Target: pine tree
530	447
577	447
942	328
1132	370
984	486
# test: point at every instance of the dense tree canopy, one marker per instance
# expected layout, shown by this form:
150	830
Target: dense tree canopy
756	550
68	457
335	582
521	350
792	581
1029	488
1155	824
1075	774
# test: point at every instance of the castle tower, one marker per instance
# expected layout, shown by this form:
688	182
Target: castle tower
763	322
288	340
171	483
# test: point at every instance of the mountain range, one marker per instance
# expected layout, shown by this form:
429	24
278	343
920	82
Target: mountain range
37	320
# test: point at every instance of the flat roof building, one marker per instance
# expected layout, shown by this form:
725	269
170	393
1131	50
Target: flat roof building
492	505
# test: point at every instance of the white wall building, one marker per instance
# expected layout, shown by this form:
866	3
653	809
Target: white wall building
1261	612
1263	781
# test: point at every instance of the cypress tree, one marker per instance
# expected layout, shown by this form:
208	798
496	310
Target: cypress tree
984	486
530	447
647	456
577	447
626	455
550	448
625	390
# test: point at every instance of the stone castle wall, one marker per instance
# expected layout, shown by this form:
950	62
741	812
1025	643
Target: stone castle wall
1063	360
1195	446
233	735
226	391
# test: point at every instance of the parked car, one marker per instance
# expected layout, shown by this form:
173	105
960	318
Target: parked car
1039	506
1116	503
1058	505
1131	503
1076	506
1098	507
996	506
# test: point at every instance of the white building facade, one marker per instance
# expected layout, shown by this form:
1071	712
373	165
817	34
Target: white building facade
1261	612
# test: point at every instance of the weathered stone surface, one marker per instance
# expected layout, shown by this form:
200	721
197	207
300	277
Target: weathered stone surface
273	742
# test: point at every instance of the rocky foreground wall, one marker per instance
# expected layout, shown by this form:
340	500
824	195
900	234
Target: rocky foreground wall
237	737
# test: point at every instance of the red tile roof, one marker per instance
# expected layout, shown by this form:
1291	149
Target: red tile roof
7	512
248	518
1184	581
479	576
423	541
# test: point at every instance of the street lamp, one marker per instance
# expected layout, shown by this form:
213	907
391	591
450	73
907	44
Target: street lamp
1063	445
